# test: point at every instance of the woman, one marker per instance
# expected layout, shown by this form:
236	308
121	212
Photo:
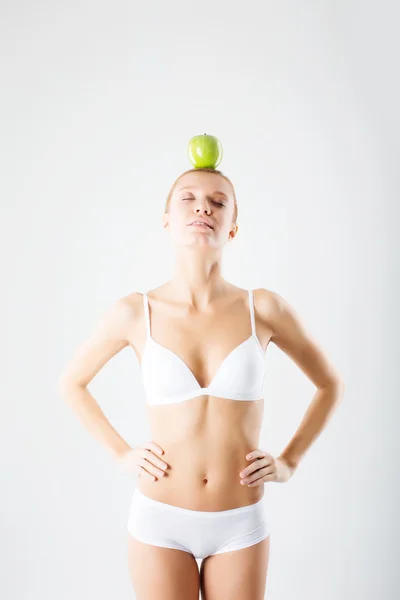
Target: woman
201	345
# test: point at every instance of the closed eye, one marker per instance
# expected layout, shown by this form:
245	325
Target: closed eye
213	201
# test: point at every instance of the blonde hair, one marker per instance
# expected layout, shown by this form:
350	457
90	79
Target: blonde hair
207	170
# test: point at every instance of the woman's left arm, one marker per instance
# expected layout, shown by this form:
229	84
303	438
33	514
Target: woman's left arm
291	336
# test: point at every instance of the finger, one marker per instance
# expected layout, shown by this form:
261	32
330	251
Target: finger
152	458
153	446
265	479
144	473
155	471
257	464
257	453
151	468
259	475
250	477
254	483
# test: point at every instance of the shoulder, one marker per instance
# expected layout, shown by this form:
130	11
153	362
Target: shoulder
122	313
131	303
266	300
274	309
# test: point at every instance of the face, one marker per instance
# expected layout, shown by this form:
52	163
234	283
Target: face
201	196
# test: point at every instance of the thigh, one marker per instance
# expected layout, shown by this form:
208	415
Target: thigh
239	574
162	573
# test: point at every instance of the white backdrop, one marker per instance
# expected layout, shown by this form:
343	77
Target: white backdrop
98	103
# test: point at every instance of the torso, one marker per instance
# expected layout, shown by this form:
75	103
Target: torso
205	439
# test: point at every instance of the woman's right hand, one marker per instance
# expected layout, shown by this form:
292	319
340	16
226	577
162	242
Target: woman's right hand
144	460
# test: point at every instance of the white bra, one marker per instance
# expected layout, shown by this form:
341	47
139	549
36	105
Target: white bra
167	379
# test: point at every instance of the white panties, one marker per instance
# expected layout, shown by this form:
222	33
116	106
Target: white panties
201	533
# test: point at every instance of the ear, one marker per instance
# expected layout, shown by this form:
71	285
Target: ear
233	232
164	220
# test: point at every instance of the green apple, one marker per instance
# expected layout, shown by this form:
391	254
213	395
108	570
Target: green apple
205	151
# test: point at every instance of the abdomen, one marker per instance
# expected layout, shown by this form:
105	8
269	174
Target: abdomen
205	442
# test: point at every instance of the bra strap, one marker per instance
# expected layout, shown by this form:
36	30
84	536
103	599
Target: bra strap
251	305
146	313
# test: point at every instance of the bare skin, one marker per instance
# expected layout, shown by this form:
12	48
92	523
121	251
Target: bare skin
205	440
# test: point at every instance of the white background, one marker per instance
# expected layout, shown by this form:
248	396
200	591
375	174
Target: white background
98	103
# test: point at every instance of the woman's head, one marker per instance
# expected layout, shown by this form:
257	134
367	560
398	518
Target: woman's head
203	193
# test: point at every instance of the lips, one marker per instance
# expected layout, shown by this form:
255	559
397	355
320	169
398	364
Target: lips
196	221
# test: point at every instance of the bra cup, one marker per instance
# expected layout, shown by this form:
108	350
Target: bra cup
164	373
167	378
242	371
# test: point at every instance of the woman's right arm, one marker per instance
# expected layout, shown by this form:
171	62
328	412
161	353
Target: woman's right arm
110	336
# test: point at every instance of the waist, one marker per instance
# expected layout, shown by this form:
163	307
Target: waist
203	474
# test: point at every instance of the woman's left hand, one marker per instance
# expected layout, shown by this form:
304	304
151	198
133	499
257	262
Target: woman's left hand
265	468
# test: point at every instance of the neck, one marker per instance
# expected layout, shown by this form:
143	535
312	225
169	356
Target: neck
197	277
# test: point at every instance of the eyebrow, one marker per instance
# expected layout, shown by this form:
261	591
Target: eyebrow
194	187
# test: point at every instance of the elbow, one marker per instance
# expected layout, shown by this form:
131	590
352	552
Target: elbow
339	381
337	384
62	387
65	387
340	387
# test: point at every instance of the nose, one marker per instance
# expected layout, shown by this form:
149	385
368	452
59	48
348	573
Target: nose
203	206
